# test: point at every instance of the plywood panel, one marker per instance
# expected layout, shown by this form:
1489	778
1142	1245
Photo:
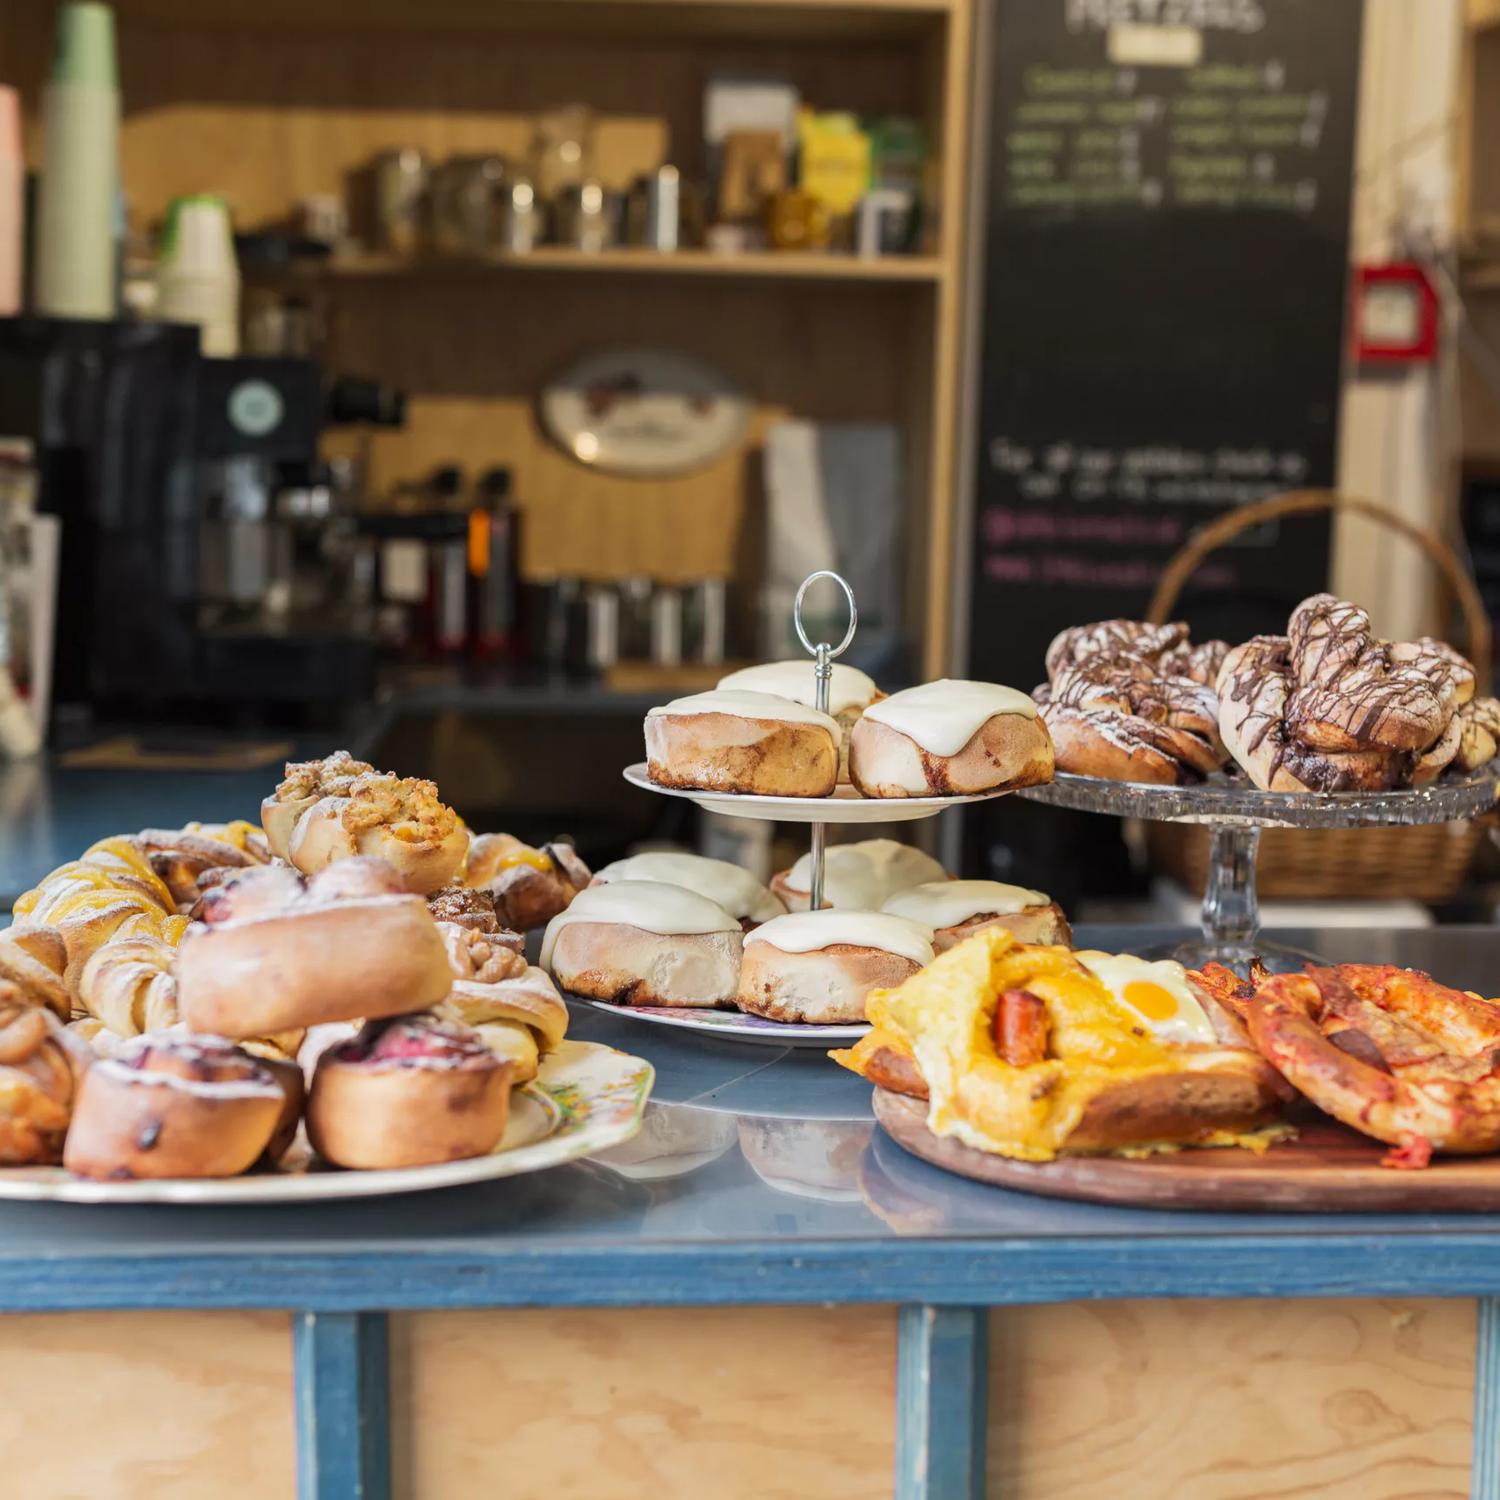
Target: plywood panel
476	351
733	1403
1359	1400
146	1406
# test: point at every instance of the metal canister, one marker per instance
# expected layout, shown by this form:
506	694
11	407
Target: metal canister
602	604
587	214
466	195
401	181
666	626
522	215
655	214
710	619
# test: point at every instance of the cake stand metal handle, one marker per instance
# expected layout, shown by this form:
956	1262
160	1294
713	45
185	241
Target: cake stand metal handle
823	655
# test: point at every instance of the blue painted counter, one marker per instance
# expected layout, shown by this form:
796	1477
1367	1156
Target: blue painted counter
767	1182
762	1179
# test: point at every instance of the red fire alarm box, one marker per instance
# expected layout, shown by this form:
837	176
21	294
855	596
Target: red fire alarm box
1395	315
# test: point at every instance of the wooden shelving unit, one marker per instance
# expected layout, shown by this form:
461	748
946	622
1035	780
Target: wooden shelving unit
788	265
271	103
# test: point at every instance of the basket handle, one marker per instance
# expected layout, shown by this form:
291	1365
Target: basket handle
1186	560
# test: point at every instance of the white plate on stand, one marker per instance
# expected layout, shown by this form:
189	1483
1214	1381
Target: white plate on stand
736	1026
845	806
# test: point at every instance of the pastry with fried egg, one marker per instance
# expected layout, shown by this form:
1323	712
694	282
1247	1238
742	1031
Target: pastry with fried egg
817	967
957	909
1031	1052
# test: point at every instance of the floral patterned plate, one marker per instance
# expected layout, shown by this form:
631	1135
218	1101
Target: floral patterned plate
585	1097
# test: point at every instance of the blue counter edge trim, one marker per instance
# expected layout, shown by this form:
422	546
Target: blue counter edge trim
959	1272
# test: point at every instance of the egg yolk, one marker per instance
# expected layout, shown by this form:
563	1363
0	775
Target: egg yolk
1151	1000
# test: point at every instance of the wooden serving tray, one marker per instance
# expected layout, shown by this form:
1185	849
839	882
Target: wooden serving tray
1327	1169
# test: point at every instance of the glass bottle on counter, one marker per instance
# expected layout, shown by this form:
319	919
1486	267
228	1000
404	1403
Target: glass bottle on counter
448	564
494	569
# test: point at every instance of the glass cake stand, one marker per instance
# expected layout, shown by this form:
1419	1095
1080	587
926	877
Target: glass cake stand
1235	812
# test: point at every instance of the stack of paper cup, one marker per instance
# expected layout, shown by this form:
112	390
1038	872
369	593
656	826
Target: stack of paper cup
198	278
75	235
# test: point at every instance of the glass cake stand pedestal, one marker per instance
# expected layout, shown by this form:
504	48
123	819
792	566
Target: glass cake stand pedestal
1235	812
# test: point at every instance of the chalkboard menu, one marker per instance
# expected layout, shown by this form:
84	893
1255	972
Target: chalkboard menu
1166	235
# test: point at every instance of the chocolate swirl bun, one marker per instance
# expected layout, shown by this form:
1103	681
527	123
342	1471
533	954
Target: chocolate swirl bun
1255	690
1114	640
1352	692
1331	707
1130	701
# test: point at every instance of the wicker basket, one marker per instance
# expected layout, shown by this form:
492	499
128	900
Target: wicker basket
1426	864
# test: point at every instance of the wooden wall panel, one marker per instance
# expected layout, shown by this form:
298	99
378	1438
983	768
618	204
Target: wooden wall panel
1358	1400
733	1403
146	1406
476	349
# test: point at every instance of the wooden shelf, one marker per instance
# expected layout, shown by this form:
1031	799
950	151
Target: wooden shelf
817	21
777	265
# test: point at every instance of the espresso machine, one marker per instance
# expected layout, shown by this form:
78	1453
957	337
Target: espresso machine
201	573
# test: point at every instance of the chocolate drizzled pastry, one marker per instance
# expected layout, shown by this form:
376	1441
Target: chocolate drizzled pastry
1330	707
1131	701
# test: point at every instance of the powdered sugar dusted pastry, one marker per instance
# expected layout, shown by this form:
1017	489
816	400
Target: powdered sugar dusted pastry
956	909
949	737
175	1106
41	1063
639	942
817	967
527	886
736	741
850	692
518	1018
733	888
406	1092
304	957
858	877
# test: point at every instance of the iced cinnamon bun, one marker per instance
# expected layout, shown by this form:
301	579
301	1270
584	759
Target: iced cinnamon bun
949	737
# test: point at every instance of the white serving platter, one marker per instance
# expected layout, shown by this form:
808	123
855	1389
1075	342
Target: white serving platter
586	1097
845	806
736	1026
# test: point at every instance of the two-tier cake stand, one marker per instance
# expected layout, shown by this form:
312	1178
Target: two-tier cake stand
845	806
